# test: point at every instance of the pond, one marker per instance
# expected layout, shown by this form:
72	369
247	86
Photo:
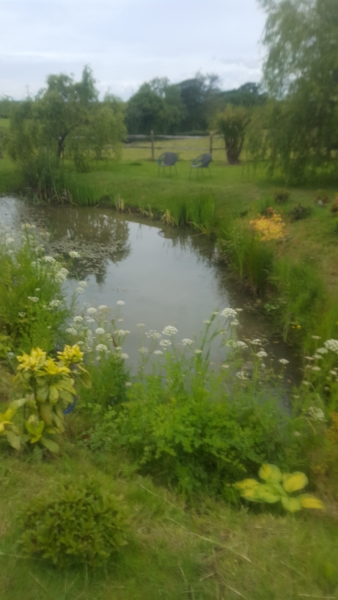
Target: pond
165	276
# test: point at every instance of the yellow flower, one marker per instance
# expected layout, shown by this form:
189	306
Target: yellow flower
52	368
269	229
71	354
33	361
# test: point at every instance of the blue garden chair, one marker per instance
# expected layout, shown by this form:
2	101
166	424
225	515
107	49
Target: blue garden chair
167	159
201	162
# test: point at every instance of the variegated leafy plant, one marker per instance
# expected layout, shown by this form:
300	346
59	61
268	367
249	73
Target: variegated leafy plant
48	388
278	487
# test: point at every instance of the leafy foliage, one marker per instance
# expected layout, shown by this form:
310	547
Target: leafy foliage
48	389
278	487
301	73
77	524
232	123
25	322
65	117
189	433
299	212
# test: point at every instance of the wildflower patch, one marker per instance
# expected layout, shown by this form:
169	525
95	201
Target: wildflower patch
269	228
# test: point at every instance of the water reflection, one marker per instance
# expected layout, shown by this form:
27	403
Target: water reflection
164	275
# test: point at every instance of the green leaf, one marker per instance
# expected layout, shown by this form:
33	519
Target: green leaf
291	504
53	394
251	494
67	384
42	393
35	429
14	440
309	501
46	413
267	493
50	445
294	482
85	377
270	473
246	484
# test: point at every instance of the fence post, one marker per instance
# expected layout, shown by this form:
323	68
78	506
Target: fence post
210	142
152	145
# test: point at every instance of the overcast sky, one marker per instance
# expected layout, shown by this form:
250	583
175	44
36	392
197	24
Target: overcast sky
127	42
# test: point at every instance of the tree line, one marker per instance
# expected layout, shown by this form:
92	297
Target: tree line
289	123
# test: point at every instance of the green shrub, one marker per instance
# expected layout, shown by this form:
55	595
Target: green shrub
109	378
32	308
300	212
78	523
281	196
43	178
189	433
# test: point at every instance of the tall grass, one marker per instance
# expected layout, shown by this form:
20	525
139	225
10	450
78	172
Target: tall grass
247	256
301	296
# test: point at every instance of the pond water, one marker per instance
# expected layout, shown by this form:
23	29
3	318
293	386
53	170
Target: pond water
164	275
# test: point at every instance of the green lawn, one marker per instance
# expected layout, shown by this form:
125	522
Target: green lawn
215	552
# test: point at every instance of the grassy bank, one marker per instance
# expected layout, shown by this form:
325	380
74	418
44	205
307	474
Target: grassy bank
168	441
215	552
295	277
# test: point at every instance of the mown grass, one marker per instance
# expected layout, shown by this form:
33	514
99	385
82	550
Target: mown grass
215	552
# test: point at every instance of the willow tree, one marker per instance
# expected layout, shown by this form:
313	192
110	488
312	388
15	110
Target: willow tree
232	123
301	76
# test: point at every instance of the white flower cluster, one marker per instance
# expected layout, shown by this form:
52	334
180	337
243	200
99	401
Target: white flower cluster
153	334
165	343
74	254
55	303
283	361
91	310
61	275
169	330
101	348
229	312
261	354
33	298
331	345
187	342
316	414
49	259
241	375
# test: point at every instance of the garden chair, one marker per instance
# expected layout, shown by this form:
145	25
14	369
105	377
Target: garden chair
201	162
167	159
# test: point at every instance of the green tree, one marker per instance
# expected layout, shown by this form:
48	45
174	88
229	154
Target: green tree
144	110
301	74
200	96
66	115
232	123
62	108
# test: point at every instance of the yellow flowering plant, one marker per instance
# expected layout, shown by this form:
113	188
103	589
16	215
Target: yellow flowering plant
48	389
269	228
278	487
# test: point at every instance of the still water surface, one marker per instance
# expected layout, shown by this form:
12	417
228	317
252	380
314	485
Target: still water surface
165	276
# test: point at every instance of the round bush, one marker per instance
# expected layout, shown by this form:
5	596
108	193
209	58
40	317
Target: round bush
76	524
